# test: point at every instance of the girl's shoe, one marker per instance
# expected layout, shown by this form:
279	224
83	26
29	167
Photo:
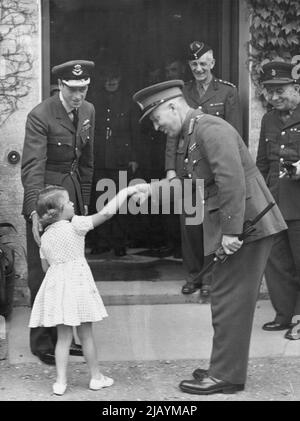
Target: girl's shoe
96	384
59	388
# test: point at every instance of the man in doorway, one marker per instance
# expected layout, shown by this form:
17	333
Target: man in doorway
279	145
216	97
235	191
115	139
58	149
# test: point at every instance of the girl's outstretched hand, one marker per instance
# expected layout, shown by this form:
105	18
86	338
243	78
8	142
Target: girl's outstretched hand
140	192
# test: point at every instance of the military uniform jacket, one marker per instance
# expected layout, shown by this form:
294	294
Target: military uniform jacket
53	151
280	142
220	99
116	129
234	189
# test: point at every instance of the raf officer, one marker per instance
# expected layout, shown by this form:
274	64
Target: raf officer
235	191
216	97
279	144
58	149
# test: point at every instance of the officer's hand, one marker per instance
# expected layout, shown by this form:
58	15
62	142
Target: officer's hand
86	210
133	165
36	228
170	174
297	175
231	243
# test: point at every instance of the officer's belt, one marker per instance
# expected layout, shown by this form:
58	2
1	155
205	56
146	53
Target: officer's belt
62	167
211	189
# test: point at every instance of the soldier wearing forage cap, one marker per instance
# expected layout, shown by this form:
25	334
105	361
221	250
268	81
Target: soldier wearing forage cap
234	192
58	149
279	143
216	97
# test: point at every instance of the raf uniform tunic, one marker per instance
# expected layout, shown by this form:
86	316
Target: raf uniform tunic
54	153
235	191
279	142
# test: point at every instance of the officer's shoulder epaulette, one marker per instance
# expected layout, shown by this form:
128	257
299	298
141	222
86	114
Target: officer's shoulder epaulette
225	82
193	121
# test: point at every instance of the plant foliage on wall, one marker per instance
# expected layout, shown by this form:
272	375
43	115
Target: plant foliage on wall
17	23
275	33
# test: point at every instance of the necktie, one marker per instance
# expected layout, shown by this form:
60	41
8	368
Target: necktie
75	117
201	90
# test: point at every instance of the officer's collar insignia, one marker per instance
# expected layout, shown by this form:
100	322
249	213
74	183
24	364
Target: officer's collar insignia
273	72
86	122
77	71
191	126
181	143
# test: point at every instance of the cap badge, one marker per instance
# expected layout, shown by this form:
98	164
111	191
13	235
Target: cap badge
199	46
273	72
77	71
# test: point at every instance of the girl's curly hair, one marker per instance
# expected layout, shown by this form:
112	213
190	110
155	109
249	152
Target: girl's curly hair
49	204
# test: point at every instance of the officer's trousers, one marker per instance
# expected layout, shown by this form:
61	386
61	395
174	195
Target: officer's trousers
234	291
42	339
283	273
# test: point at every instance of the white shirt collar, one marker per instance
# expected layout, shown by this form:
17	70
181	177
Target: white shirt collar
65	105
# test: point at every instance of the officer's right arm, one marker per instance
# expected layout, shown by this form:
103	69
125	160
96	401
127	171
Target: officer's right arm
262	161
33	160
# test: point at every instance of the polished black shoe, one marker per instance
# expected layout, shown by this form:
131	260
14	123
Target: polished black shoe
200	373
208	386
189	288
274	326
205	291
294	332
120	251
76	350
46	357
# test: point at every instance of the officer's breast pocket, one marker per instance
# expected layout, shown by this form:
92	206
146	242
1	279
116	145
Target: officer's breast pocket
216	109
85	135
272	146
294	144
58	147
196	160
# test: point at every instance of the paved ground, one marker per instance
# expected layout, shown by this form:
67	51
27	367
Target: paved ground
148	350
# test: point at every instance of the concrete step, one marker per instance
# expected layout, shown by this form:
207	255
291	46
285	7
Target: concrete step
160	332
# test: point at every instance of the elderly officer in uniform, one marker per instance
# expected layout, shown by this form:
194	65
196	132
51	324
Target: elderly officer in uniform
235	191
279	143
58	149
216	97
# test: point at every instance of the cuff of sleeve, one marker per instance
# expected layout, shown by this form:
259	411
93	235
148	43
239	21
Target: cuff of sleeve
32	213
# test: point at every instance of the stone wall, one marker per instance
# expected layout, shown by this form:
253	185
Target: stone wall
20	91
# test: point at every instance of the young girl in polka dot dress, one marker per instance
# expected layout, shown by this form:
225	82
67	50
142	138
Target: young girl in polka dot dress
68	295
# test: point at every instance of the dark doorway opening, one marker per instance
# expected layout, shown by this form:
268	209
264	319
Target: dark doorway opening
140	33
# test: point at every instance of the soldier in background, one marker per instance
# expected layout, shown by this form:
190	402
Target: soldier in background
114	150
216	97
279	144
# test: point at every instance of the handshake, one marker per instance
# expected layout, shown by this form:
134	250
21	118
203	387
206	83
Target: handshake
139	192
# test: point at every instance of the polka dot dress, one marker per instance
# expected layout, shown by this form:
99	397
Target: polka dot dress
68	294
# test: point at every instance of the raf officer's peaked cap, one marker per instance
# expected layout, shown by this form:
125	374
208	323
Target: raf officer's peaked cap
74	73
196	49
277	73
153	96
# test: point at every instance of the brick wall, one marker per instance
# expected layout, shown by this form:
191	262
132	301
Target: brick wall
24	38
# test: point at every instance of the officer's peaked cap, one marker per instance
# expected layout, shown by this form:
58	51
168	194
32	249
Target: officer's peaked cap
75	73
277	73
153	96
